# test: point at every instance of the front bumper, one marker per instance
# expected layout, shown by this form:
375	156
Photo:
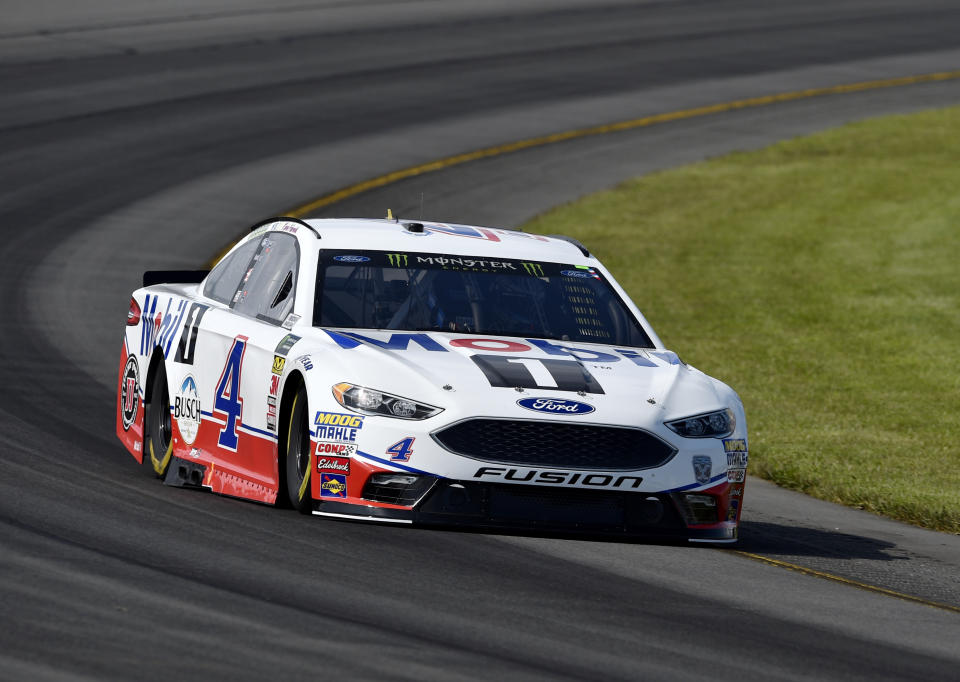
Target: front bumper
540	508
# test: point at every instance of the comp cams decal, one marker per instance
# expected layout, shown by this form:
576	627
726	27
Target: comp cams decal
130	393
186	409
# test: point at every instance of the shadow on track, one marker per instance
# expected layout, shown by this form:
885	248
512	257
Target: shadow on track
774	538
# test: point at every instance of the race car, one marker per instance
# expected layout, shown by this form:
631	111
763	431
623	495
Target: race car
427	373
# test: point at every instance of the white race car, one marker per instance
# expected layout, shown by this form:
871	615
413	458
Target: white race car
429	373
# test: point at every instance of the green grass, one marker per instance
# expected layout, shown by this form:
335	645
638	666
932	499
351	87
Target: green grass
819	277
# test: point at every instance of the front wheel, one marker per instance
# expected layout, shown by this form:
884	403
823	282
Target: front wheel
298	454
159	436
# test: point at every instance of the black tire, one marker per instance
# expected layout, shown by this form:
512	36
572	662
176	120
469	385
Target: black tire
158	439
297	457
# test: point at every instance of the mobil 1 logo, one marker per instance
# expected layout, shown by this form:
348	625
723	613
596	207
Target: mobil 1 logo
526	372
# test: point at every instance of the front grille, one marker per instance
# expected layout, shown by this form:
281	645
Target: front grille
554	444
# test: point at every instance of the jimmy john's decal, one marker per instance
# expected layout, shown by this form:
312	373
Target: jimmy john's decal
129	392
553	477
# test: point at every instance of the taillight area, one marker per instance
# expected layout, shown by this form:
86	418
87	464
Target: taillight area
133	315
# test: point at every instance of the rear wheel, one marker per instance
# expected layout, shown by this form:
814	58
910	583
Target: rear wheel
297	458
159	437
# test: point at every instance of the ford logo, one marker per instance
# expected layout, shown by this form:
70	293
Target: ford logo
351	259
555	406
577	273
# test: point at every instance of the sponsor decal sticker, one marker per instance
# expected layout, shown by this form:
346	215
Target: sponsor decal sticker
702	468
129	392
555	406
278	362
558	477
305	361
333	464
736	475
286	343
737	456
401	450
398	260
576	273
186	409
460	263
333	485
333	426
351	259
732	511
534	269
336	449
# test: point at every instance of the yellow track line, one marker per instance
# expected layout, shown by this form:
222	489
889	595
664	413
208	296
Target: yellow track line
844	581
487	152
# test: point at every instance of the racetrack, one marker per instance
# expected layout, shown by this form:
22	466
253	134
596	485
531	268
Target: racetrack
134	140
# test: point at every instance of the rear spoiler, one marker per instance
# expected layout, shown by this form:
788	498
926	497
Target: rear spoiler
151	277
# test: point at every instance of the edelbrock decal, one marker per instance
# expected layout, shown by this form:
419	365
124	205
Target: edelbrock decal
555	406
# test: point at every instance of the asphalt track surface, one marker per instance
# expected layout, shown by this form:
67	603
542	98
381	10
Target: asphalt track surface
139	135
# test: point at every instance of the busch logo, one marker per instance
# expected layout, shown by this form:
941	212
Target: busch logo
186	409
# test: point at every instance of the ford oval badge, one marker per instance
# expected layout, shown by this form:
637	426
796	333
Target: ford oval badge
351	259
555	406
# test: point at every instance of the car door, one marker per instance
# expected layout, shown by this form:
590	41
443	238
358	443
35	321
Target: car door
238	355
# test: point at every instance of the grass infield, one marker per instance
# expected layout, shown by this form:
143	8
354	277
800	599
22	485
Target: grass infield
819	277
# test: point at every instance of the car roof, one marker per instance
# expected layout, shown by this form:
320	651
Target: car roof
437	237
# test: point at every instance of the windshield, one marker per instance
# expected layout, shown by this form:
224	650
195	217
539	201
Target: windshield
471	295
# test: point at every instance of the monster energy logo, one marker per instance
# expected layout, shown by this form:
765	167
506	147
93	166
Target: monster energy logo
397	260
534	269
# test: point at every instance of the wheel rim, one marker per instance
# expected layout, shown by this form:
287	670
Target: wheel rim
297	451
160	427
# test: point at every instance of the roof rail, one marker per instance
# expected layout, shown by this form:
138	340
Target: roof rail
284	218
563	237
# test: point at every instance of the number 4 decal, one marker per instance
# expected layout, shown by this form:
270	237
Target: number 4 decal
227	400
401	450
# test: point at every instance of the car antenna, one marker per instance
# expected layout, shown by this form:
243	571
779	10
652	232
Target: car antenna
421	205
390	216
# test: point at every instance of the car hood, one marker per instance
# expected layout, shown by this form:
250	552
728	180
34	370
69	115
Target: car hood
494	375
